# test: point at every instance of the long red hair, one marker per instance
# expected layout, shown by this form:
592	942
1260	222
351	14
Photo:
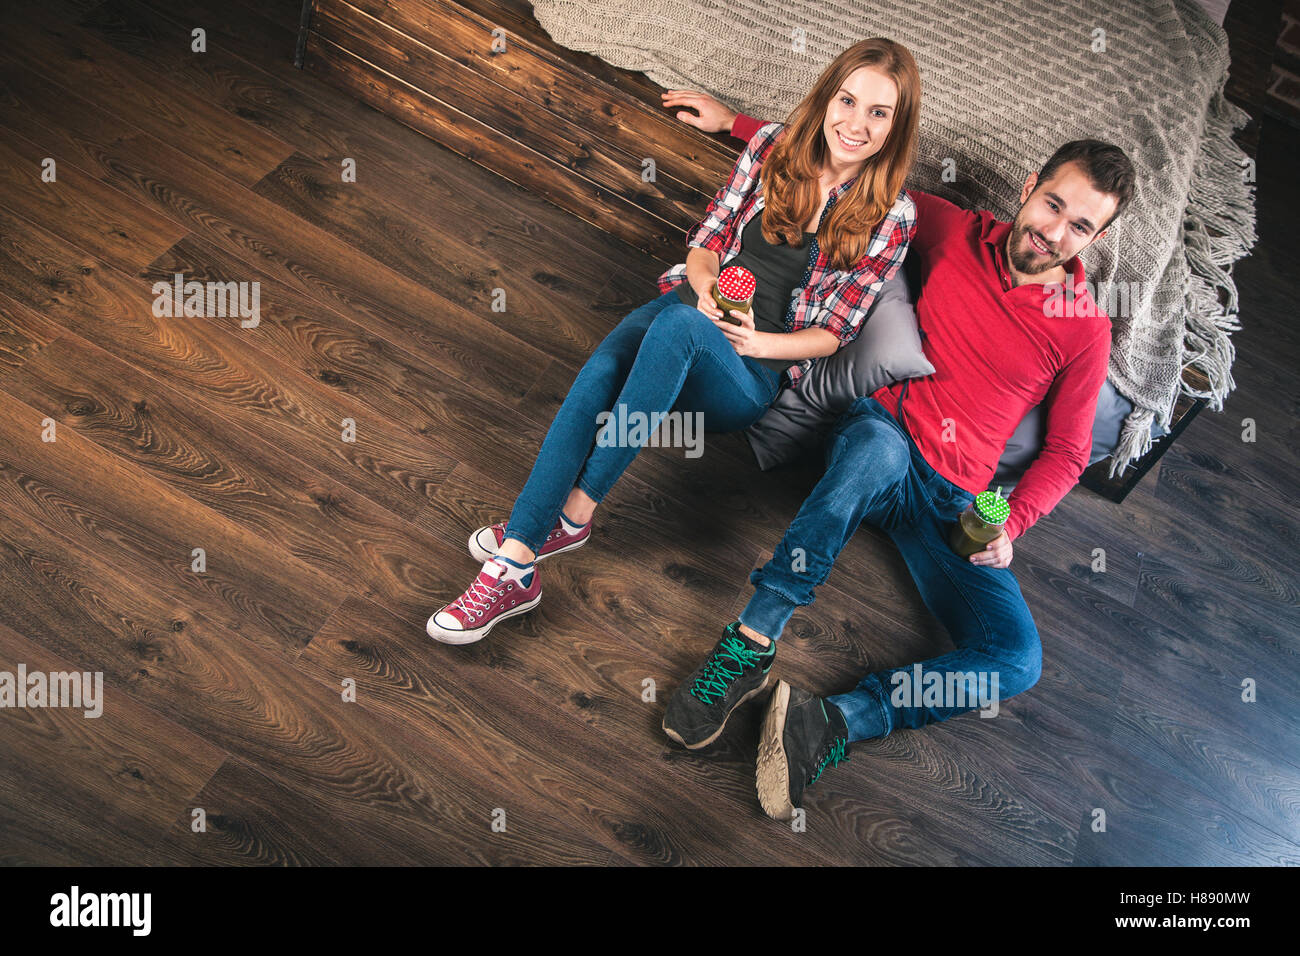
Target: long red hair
792	171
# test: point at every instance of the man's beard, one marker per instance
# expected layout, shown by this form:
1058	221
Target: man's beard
1029	262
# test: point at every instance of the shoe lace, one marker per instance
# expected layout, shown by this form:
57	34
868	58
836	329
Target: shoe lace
718	673
477	598
833	756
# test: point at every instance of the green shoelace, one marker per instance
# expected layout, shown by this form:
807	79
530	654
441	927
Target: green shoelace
718	673
833	757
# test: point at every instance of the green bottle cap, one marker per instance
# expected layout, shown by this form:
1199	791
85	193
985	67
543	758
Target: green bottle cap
991	507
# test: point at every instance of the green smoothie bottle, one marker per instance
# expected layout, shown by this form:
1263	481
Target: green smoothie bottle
980	523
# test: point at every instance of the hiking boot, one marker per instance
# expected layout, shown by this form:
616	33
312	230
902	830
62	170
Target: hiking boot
735	671
492	597
802	735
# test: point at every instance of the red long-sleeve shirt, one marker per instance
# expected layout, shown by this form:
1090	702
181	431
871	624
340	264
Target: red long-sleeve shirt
997	352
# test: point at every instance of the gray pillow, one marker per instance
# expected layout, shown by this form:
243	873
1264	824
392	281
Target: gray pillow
887	349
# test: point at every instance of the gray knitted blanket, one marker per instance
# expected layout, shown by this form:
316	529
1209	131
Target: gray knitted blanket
1004	83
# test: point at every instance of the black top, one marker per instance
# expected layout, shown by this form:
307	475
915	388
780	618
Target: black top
778	270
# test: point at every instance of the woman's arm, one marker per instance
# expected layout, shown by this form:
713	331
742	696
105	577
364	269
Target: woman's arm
717	231
702	267
712	231
804	344
714	115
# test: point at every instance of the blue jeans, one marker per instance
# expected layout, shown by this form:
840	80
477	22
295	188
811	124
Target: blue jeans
874	472
664	356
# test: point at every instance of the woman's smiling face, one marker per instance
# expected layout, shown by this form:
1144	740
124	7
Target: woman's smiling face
859	117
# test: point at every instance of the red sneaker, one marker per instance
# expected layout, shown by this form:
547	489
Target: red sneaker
486	542
489	599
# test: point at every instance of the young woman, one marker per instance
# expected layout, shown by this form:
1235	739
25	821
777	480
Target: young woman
816	210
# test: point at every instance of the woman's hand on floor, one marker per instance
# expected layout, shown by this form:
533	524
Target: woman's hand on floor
996	554
714	116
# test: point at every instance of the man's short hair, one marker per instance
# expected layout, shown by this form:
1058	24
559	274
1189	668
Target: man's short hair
1107	167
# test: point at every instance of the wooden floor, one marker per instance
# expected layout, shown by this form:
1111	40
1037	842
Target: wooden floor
224	689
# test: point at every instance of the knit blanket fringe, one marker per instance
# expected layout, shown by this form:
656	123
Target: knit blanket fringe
1219	229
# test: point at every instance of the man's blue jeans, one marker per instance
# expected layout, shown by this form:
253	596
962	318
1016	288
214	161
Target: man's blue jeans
664	356
875	473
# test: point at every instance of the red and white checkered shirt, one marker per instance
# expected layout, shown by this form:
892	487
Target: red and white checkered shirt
834	299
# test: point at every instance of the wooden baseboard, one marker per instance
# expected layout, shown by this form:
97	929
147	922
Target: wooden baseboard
512	103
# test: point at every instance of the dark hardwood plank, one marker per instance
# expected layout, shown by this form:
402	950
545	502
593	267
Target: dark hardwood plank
245	73
1175	700
136	767
543	306
474	140
547	302
23	332
122	233
435	49
363	548
373	355
247	826
264	235
517	16
613	118
383	781
257	392
61	498
1159	819
241	152
619	797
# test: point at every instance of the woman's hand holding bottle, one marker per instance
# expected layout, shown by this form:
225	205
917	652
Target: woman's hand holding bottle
708	306
744	338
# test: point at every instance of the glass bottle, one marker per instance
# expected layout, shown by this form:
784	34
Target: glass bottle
981	522
734	290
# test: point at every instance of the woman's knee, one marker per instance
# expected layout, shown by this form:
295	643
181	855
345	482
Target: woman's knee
606	364
625	338
679	323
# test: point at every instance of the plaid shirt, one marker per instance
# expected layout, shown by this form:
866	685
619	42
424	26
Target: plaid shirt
833	299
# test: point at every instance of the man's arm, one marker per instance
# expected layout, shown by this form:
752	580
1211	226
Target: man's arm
744	126
1071	409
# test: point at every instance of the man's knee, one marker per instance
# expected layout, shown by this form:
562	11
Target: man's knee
1020	654
870	453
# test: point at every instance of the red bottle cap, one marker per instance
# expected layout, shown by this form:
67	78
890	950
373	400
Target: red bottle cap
736	283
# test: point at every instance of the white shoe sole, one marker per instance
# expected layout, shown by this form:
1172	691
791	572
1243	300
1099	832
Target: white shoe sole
481	554
773	772
446	636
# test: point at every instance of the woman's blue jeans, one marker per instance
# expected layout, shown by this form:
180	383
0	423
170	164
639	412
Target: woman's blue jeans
875	473
664	356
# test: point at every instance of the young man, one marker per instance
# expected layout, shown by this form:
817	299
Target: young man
912	456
